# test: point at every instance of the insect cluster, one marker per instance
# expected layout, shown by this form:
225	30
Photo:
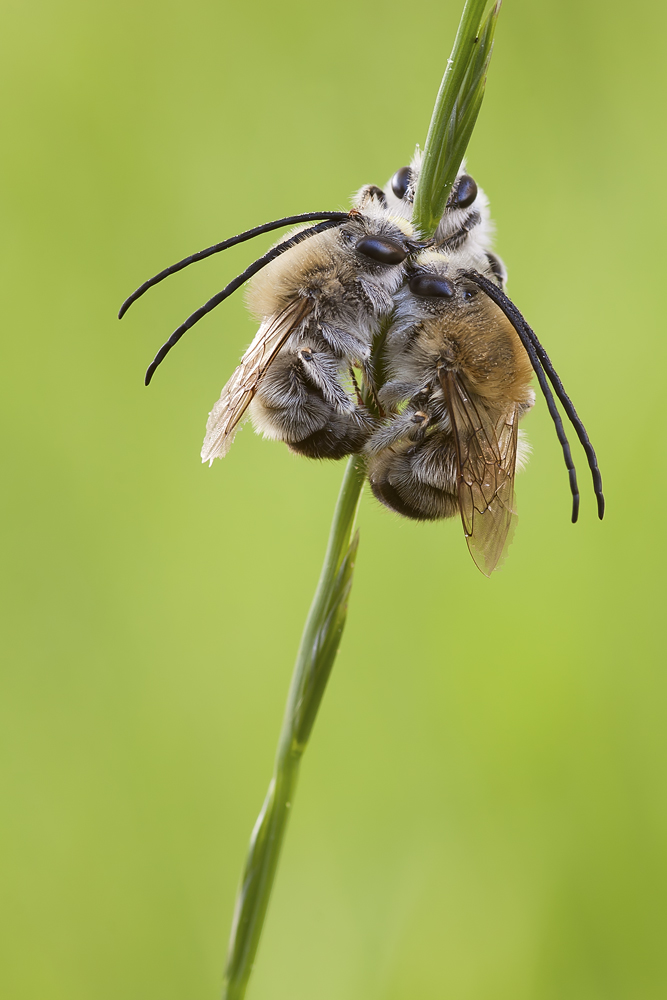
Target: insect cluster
408	351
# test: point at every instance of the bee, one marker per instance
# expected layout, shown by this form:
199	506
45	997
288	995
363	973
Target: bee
445	359
321	307
459	361
458	382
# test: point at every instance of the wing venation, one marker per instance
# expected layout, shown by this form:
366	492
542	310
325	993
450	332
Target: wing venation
486	449
224	418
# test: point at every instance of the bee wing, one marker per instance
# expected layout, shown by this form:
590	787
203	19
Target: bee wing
238	393
486	462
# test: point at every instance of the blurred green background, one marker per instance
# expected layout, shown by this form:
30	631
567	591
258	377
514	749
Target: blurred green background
482	810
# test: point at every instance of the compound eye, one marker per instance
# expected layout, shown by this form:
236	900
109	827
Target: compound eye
383	251
429	285
400	182
465	192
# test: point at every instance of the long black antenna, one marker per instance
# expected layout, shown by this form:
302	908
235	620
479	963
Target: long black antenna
249	234
544	385
575	420
233	285
541	363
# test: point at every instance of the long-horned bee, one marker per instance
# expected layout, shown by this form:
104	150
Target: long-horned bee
374	341
321	308
458	381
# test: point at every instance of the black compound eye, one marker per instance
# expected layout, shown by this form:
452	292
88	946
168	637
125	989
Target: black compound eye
382	250
464	193
429	285
400	182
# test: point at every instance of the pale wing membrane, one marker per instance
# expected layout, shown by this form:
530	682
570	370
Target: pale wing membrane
237	395
486	447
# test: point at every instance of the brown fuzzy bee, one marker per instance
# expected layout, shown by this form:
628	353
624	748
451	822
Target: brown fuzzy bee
458	382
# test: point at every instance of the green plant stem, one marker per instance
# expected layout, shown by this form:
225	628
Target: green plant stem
319	643
455	113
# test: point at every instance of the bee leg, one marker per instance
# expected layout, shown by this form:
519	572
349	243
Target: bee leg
323	371
410	425
497	269
368	375
420	421
357	391
368	194
395	392
344	344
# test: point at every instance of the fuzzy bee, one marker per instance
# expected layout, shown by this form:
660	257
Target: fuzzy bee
321	307
373	341
458	382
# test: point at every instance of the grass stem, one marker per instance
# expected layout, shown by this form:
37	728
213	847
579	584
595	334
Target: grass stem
319	644
455	113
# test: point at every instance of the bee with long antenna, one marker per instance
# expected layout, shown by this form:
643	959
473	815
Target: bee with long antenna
458	382
438	419
321	308
459	359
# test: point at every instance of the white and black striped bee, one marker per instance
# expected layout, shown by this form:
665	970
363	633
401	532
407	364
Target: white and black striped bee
374	341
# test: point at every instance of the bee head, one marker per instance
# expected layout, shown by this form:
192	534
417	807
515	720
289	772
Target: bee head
435	287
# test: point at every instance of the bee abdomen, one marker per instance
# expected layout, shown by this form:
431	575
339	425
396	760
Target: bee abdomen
334	440
417	501
419	483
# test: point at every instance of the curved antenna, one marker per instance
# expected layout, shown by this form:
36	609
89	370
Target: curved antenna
249	234
232	286
527	335
544	385
574	418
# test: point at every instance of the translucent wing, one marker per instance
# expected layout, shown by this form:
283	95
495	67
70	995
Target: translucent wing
238	393
486	462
